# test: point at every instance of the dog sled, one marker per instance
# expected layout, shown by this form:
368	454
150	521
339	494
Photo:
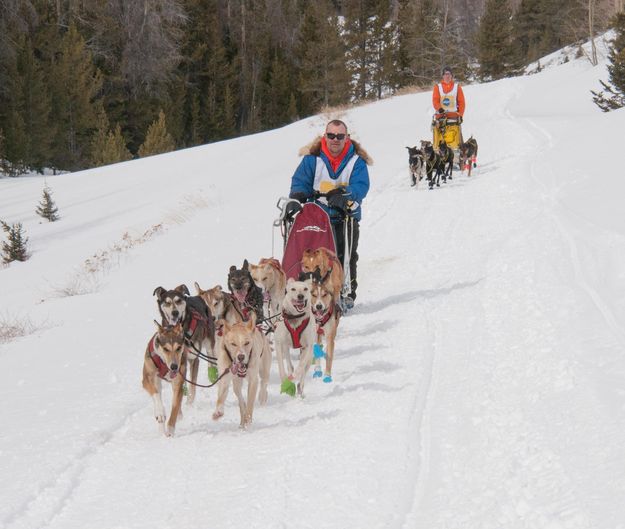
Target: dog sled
310	229
447	127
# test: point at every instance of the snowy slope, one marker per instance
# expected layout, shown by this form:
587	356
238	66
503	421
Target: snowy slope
479	383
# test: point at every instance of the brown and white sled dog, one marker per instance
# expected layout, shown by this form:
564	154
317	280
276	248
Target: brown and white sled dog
327	318
329	267
177	307
243	354
269	276
296	330
165	359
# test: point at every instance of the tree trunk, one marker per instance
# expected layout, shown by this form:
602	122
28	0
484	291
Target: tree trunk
591	32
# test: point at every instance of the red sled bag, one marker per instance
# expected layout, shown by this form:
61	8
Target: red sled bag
311	230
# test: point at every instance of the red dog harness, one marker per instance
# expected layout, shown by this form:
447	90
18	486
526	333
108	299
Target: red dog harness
295	332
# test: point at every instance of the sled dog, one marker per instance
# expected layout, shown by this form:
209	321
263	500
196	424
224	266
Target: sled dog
296	330
327	315
271	279
416	165
468	155
244	354
329	267
446	154
176	306
246	296
433	166
165	359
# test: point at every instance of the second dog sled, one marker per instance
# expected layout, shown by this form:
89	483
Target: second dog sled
447	126
311	228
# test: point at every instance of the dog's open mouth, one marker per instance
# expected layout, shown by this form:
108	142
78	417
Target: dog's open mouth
239	369
319	313
298	305
173	374
266	296
240	295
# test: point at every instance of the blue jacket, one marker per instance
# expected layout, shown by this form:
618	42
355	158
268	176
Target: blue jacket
304	176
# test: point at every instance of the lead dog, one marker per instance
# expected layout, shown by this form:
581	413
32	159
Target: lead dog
176	306
271	279
327	321
243	354
165	359
416	165
296	330
330	269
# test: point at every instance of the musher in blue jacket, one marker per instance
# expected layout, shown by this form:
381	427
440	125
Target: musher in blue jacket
337	165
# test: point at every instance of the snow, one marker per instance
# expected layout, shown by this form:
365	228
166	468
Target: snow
479	383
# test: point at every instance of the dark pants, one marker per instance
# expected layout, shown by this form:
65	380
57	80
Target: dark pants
353	235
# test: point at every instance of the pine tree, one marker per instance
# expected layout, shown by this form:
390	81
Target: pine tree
15	249
612	97
157	140
495	52
47	208
76	102
35	107
323	78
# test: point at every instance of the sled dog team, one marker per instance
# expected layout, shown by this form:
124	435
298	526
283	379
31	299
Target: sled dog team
231	330
435	163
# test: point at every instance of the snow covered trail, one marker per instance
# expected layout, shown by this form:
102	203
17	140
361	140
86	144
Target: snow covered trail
477	384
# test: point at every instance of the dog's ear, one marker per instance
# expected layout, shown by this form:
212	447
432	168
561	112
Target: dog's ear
245	265
251	322
198	289
291	280
178	328
158	291
232	268
182	289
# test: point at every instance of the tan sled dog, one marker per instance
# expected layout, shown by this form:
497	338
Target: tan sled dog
296	330
327	321
330	269
269	276
244	354
165	359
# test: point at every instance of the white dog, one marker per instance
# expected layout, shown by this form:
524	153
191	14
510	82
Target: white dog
296	330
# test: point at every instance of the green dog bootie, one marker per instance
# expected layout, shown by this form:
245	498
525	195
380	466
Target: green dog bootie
212	374
288	387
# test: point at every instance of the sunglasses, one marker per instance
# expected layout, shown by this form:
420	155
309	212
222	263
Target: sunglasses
332	136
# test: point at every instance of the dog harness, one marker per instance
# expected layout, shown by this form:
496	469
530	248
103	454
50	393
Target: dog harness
295	332
196	318
163	370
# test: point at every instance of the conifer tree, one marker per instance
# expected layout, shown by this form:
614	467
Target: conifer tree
612	96
323	78
495	53
35	107
47	208
157	139
15	248
76	102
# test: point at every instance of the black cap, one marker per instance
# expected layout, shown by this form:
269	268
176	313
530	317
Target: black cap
447	69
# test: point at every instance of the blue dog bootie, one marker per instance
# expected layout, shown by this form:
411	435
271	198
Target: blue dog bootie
318	351
327	379
317	372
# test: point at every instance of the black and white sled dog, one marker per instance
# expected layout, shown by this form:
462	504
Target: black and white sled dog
416	165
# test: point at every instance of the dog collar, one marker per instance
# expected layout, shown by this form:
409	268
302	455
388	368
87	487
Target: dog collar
295	332
237	368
